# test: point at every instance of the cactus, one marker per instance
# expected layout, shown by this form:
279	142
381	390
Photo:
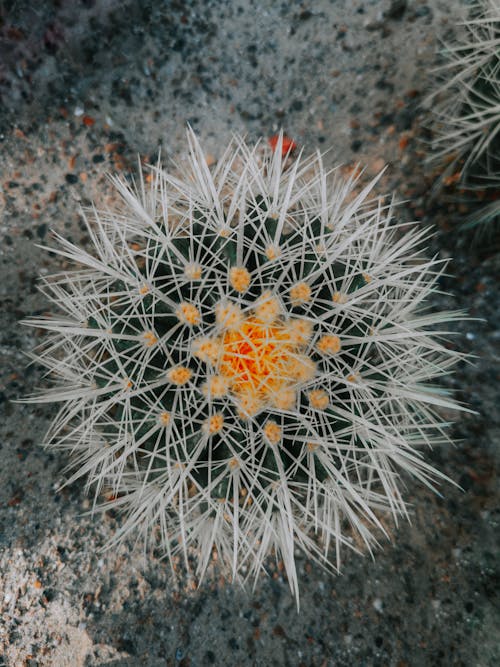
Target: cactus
467	98
466	106
244	361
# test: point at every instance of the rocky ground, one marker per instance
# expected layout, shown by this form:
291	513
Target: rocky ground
87	86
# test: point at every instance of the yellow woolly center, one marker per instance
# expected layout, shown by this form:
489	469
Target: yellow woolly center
261	359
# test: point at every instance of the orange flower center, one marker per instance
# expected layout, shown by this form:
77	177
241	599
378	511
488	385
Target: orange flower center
260	360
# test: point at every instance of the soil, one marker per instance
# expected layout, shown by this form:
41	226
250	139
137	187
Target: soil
85	88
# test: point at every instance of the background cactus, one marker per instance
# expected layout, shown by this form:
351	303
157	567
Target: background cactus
244	362
466	106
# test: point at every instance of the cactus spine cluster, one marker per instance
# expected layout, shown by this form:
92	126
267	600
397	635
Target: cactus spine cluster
244	362
466	106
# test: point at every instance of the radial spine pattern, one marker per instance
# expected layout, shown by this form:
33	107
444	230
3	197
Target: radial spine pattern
466	98
243	360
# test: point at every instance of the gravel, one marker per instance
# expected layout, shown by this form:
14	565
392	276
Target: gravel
86	87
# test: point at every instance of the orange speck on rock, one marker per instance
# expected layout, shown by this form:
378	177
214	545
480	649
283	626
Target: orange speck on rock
403	142
88	121
452	179
288	145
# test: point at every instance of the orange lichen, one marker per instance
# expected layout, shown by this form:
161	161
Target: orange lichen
179	375
239	278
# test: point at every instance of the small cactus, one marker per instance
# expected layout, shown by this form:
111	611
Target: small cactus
244	362
466	101
466	106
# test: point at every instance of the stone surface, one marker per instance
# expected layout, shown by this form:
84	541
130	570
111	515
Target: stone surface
87	86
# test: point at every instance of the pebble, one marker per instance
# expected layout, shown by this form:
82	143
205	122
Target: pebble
396	9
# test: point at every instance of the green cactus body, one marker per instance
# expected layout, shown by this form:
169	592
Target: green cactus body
244	360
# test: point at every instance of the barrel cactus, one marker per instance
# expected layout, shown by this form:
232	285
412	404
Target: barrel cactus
466	99
466	110
244	360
